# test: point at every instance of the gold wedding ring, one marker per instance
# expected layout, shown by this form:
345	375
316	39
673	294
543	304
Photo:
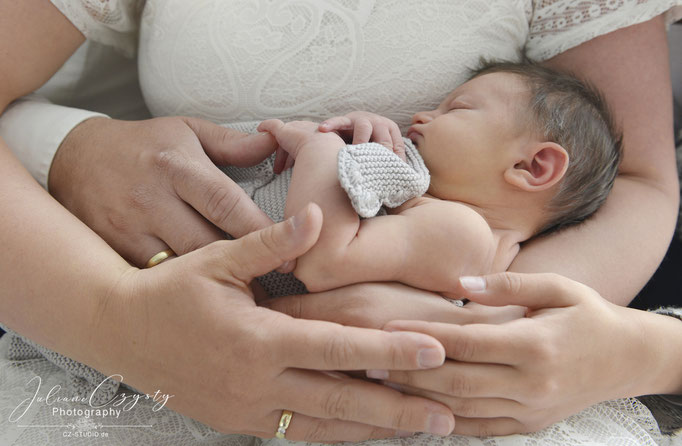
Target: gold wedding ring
284	421
159	257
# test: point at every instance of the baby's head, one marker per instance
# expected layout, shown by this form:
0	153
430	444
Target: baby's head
521	137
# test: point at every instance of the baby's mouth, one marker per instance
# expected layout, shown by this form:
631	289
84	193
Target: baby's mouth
413	135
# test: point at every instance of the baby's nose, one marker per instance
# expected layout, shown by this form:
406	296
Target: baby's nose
421	117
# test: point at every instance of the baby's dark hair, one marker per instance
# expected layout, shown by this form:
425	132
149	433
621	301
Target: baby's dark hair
573	114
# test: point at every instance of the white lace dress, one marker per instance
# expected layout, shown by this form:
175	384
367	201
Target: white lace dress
242	61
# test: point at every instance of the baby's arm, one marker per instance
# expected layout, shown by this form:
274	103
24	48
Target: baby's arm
426	243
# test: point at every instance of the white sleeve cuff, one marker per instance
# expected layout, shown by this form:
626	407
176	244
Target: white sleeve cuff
34	128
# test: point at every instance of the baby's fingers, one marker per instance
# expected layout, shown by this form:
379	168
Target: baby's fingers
381	134
388	135
270	126
362	131
336	124
398	143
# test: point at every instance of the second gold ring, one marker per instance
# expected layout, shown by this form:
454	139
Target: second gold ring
284	421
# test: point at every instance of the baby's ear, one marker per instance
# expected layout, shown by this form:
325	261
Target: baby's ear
543	166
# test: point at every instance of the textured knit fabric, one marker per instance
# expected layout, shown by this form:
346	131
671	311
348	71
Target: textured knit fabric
84	381
373	176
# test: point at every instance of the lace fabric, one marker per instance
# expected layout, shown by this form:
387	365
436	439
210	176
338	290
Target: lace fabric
558	25
247	60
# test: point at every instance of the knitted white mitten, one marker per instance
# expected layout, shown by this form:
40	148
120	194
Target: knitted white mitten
373	176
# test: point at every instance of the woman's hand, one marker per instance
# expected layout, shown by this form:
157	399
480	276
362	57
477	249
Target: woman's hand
144	186
190	327
573	349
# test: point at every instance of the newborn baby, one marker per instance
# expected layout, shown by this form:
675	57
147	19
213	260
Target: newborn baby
517	151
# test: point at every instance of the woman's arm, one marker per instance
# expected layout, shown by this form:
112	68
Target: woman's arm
618	250
27	63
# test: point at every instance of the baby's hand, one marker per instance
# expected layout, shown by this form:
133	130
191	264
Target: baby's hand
291	137
366	127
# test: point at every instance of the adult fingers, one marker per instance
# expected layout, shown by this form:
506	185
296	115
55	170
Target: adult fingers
488	427
482	343
183	229
325	346
227	146
545	290
371	305
337	123
461	380
215	196
361	401
142	248
467	407
305	428
261	252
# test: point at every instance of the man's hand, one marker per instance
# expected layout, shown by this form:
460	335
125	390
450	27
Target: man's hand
144	186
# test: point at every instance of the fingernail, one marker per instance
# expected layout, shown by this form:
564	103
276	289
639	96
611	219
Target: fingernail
439	425
403	434
472	283
430	357
377	374
298	219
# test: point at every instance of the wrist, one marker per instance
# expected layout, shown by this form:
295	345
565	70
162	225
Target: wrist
659	358
68	154
113	329
322	141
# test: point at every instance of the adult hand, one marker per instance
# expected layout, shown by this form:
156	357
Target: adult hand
144	186
372	305
190	327
573	349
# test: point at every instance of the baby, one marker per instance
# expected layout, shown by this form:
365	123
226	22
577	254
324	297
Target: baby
516	151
